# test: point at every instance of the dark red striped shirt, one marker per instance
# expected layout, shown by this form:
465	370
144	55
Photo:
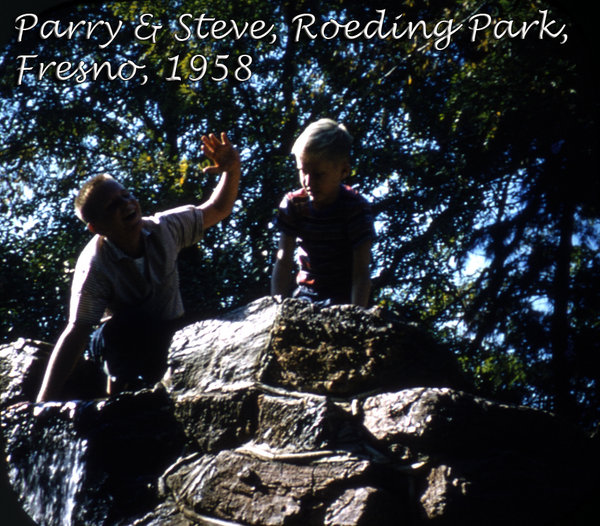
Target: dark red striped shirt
326	237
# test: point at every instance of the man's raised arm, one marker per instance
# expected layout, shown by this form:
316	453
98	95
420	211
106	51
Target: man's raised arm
226	160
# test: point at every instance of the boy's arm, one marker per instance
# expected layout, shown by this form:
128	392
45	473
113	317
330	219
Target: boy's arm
226	160
66	353
282	278
361	274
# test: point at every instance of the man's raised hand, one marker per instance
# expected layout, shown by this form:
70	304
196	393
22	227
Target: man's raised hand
221	152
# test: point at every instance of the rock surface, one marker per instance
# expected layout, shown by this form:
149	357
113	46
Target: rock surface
288	414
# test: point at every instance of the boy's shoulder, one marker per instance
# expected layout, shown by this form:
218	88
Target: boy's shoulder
353	202
350	194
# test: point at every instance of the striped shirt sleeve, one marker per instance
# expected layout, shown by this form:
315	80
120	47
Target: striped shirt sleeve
90	291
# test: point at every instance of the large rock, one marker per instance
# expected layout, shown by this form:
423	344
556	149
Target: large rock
22	365
250	488
90	462
339	351
286	414
478	456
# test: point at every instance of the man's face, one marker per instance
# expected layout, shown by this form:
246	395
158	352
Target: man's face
117	210
321	177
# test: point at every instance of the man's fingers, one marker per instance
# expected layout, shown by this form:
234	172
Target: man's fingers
210	142
219	151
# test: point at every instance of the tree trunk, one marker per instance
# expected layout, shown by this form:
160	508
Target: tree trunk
564	403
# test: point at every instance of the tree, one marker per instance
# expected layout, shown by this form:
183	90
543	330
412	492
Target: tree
468	147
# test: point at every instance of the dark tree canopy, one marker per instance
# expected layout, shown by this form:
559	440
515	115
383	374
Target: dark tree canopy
478	155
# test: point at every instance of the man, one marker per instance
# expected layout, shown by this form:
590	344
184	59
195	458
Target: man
129	269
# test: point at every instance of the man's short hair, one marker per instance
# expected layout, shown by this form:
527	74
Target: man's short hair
84	208
324	137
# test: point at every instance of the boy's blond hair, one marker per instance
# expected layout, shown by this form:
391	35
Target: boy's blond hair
324	137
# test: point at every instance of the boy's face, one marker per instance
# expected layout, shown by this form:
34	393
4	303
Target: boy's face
321	177
117	210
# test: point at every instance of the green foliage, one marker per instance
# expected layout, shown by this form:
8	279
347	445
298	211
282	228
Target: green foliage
483	147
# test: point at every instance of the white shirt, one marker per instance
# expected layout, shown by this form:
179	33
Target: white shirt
106	280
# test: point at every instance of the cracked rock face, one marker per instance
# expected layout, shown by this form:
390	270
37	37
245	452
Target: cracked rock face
290	414
245	488
342	350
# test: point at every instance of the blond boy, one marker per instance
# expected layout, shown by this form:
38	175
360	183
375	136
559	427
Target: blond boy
330	223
